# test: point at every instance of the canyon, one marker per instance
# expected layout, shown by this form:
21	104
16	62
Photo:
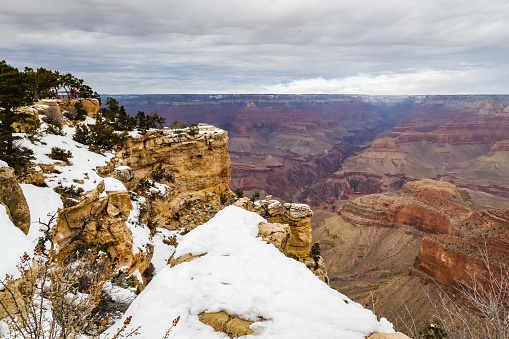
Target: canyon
363	163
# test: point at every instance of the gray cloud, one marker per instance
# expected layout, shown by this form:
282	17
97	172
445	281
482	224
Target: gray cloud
208	46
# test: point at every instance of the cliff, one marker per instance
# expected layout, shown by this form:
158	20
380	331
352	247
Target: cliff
384	247
194	169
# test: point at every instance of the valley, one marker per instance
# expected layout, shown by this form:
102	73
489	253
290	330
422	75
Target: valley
359	161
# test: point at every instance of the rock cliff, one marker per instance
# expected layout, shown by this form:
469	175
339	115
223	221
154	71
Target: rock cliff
194	168
460	141
11	196
382	247
289	229
99	219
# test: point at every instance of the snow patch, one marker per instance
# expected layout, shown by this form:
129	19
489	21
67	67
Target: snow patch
13	244
245	277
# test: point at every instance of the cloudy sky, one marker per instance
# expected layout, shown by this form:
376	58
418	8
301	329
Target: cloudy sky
265	46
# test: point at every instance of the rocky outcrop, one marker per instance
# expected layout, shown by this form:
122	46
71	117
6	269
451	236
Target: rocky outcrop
275	234
100	219
232	326
428	205
298	217
289	229
91	106
397	335
194	168
11	196
383	247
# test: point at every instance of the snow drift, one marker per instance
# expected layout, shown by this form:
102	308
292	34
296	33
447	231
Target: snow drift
240	274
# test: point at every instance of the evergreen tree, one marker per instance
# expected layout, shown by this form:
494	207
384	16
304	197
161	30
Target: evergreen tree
16	90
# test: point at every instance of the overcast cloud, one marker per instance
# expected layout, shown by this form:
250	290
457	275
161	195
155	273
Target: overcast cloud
265	46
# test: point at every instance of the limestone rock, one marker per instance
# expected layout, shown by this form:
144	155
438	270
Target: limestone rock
101	219
276	234
318	268
233	327
185	258
268	207
11	196
397	335
91	106
244	203
299	218
297	212
123	173
196	168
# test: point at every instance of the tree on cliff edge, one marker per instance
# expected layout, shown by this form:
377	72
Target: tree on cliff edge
15	91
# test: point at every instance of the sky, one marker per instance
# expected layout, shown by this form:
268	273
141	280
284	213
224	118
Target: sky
265	46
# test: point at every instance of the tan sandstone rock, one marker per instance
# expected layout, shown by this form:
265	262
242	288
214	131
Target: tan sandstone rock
397	335
299	219
197	171
233	327
276	234
101	219
11	196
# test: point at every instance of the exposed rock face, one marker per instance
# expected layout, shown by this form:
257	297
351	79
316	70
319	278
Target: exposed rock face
100	218
11	196
91	106
299	219
451	259
278	144
428	205
380	245
460	141
232	326
276	234
196	169
288	229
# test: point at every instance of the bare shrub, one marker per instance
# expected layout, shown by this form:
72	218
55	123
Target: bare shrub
57	295
477	308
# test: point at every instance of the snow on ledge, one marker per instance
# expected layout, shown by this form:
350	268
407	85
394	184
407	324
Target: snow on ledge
245	277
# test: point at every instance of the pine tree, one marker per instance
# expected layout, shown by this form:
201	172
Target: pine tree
16	90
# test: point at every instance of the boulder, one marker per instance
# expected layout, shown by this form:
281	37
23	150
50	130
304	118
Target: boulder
233	327
11	196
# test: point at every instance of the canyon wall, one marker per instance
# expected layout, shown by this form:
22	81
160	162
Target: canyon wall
384	247
194	170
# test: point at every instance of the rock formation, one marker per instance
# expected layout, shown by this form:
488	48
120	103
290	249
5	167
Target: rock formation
288	229
381	247
100	219
196	170
459	141
11	196
232	326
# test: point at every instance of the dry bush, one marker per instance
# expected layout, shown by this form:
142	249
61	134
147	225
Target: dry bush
478	308
57	296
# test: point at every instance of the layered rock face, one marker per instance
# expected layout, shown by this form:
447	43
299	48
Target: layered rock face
382	246
11	196
278	144
196	170
428	205
460	141
100	219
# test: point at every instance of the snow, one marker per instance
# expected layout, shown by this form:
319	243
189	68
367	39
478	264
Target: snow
43	202
13	244
112	184
140	232
162	251
246	277
83	162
